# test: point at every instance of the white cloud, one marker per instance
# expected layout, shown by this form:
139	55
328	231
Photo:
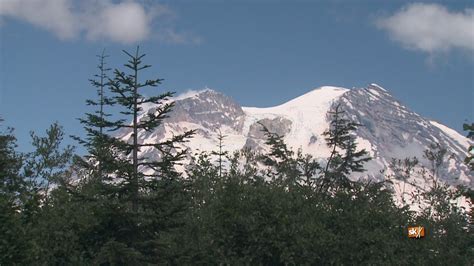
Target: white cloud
52	15
431	28
124	22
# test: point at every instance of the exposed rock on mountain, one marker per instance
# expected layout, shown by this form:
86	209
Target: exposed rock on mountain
389	129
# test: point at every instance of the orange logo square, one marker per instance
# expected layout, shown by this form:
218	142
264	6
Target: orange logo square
416	232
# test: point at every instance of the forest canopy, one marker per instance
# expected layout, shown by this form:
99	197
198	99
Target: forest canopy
275	207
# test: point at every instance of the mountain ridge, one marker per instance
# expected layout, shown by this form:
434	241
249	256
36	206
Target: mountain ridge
389	129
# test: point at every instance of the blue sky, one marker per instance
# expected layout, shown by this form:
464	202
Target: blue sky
261	53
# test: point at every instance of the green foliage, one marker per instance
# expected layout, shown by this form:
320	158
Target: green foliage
12	241
252	221
270	217
31	216
140	207
101	157
126	88
220	153
285	167
279	207
47	165
344	157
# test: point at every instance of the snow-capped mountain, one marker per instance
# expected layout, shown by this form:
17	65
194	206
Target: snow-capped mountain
389	129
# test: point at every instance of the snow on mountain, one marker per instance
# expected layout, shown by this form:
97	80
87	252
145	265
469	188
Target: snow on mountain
302	120
389	129
460	139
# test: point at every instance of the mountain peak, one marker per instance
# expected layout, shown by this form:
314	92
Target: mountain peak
377	87
194	93
319	96
388	129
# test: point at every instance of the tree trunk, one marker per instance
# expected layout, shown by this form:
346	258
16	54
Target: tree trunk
135	141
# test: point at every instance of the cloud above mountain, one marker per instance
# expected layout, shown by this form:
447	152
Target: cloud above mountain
124	22
431	28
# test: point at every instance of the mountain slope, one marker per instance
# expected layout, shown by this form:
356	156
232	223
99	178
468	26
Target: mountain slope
388	129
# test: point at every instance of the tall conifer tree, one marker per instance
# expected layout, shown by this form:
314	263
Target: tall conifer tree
220	153
344	157
12	186
127	90
147	190
98	142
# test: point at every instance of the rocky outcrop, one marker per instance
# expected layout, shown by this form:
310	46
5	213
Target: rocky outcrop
389	129
210	109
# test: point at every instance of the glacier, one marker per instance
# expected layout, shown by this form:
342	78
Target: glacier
388	128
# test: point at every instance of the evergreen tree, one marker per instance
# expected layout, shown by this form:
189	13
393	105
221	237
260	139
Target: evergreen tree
46	211
127	93
220	153
446	225
253	221
48	165
12	186
283	168
469	160
138	207
98	142
11	183
436	155
344	157
403	170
